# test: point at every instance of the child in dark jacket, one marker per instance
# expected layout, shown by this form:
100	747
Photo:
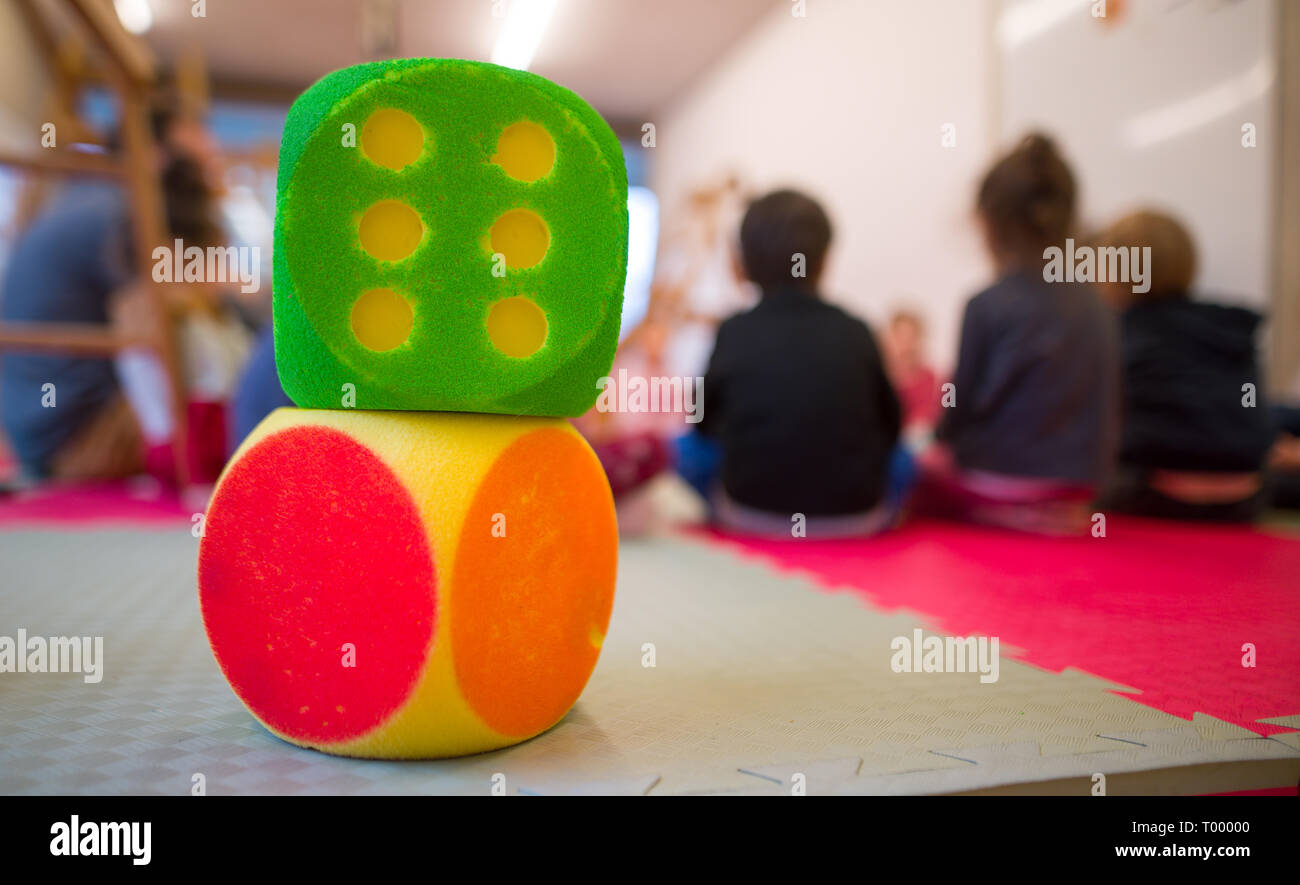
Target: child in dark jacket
1196	431
1029	422
796	392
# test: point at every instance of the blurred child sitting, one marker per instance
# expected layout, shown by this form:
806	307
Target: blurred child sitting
795	392
1190	446
1030	424
913	378
633	447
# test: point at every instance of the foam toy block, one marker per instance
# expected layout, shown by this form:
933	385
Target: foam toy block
449	236
408	585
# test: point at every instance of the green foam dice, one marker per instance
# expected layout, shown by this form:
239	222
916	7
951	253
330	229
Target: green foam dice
449	236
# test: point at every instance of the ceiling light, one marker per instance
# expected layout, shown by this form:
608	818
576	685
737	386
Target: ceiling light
1031	19
135	15
522	32
1190	113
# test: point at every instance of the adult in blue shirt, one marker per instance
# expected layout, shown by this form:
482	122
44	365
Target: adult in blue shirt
65	416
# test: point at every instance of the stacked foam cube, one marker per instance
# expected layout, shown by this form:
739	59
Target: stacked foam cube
419	561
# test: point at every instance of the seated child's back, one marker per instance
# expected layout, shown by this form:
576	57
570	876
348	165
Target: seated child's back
1036	386
796	391
1035	391
1193	443
1185	364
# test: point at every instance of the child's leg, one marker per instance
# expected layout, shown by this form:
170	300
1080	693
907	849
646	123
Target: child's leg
937	492
1045	508
258	393
900	478
631	461
107	447
146	388
1131	493
743	520
699	461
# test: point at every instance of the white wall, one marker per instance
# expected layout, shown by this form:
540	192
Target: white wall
1150	108
848	103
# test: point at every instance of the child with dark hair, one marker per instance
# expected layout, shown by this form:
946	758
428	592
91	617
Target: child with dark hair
1194	443
1030	423
796	394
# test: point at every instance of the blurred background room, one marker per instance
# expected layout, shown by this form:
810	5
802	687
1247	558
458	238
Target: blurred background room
127	123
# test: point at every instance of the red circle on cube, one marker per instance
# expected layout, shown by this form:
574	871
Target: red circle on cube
315	557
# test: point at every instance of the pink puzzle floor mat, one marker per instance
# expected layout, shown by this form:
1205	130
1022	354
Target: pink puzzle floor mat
1177	612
